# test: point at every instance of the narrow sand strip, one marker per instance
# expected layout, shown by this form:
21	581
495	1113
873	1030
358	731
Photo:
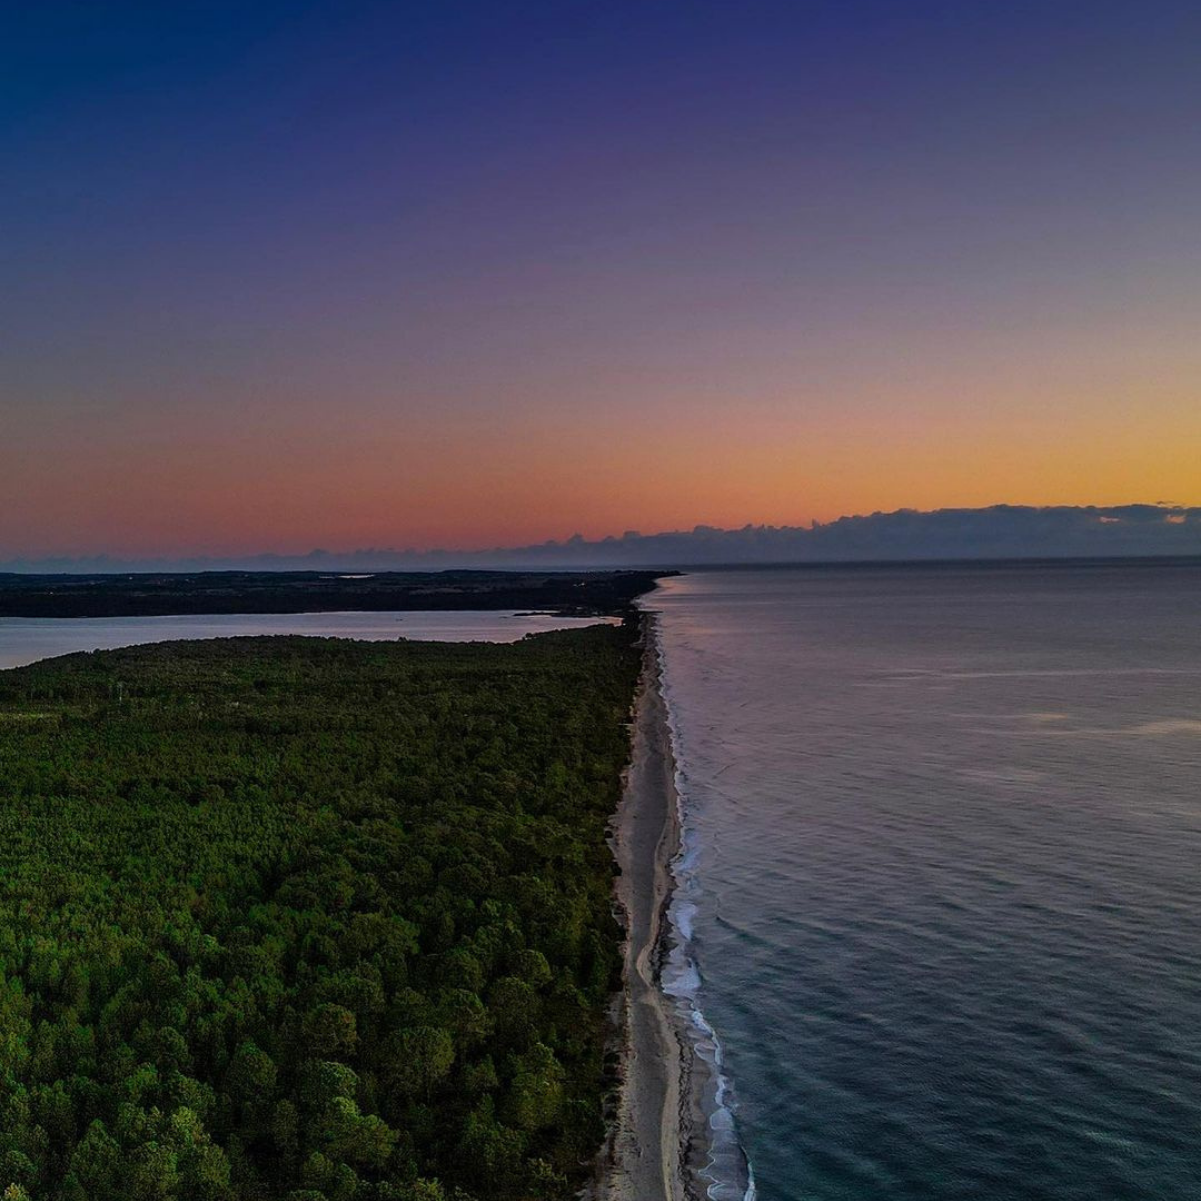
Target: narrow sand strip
647	1157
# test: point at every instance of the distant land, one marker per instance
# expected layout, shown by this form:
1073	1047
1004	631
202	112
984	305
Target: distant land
164	594
996	532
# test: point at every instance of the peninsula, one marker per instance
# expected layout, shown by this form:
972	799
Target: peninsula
322	920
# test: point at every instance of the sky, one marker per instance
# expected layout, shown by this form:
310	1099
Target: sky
451	274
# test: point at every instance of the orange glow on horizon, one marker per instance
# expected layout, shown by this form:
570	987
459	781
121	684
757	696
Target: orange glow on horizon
439	487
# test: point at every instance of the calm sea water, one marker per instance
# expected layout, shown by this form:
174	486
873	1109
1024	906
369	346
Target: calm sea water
942	874
28	639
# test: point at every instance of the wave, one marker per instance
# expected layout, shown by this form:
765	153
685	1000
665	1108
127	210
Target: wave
728	1174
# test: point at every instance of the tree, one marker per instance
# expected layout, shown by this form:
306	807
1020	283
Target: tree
414	1061
536	1092
362	1140
331	1030
96	1162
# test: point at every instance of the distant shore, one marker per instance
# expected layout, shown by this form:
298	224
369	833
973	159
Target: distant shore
656	1142
211	593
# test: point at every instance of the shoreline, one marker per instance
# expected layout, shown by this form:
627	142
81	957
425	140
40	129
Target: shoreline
655	1145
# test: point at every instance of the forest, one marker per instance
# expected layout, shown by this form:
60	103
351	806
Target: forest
166	593
309	919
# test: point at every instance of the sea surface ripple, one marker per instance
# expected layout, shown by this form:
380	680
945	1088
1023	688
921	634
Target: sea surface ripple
944	893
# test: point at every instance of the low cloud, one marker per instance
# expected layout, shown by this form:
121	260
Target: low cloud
997	532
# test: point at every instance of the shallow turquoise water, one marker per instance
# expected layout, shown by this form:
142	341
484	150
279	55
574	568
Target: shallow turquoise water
944	839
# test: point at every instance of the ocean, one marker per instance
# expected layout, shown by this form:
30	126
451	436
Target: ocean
939	895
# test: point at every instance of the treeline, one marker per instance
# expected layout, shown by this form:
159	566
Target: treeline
308	919
157	594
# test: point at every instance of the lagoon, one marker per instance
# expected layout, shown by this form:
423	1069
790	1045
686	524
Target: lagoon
25	640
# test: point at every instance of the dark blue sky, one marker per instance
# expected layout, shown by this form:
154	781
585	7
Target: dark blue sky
277	274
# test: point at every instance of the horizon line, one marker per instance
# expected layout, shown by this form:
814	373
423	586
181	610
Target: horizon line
1001	532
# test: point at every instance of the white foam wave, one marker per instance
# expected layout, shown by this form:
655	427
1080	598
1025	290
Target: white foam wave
728	1174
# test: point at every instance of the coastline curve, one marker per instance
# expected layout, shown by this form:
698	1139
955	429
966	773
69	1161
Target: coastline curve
674	1136
716	1155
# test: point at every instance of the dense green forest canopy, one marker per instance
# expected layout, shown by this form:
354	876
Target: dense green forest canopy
308	919
159	594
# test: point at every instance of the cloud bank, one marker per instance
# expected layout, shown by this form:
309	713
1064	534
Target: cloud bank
997	532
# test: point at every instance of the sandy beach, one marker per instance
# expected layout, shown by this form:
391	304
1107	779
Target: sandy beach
653	1148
